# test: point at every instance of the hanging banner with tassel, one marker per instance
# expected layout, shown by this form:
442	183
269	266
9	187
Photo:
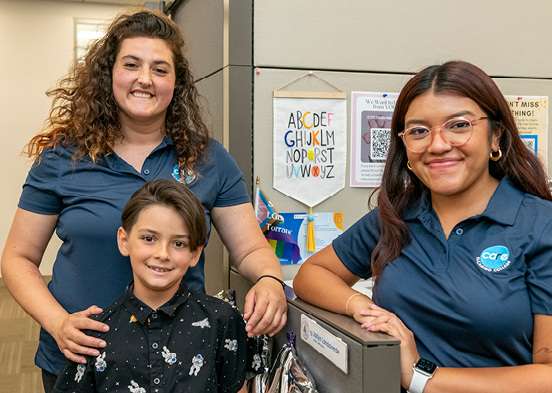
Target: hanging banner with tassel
310	146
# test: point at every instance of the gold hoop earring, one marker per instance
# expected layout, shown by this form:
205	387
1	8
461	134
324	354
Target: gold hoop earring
497	157
408	165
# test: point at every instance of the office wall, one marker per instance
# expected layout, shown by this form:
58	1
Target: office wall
504	37
218	35
36	47
366	45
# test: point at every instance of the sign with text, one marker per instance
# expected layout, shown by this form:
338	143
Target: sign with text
531	116
332	347
371	115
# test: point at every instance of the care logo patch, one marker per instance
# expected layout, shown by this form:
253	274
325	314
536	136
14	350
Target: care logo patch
494	259
190	177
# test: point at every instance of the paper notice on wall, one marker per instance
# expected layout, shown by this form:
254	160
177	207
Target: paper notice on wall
531	116
327	226
371	115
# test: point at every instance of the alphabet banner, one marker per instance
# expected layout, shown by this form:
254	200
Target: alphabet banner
310	144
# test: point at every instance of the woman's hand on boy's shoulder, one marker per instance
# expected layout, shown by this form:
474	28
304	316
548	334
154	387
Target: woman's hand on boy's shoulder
72	342
265	308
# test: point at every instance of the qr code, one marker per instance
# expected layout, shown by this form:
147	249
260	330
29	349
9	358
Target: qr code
530	144
380	143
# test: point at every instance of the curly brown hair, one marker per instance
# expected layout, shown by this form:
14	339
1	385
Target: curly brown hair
84	113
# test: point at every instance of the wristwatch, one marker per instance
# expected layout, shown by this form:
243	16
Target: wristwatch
424	370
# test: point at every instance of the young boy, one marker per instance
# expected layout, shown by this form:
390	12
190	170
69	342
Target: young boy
163	337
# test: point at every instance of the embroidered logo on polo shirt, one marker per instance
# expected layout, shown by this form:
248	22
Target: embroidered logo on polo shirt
190	177
494	259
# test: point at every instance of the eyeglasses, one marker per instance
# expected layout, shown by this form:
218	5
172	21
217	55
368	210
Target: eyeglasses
455	132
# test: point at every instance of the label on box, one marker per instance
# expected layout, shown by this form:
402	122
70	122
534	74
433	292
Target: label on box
332	347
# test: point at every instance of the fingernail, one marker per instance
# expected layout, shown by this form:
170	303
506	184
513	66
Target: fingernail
248	328
105	328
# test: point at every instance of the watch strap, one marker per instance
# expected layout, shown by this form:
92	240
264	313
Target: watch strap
418	381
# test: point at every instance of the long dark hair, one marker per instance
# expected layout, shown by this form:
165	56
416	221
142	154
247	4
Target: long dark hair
84	112
401	190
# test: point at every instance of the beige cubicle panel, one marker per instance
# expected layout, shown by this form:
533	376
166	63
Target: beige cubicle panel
504	37
249	48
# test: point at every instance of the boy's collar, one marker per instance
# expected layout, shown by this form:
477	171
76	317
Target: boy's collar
141	311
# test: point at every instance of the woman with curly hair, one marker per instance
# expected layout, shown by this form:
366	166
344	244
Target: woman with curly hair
126	115
460	244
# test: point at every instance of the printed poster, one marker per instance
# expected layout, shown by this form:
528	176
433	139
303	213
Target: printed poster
310	145
531	116
371	115
327	227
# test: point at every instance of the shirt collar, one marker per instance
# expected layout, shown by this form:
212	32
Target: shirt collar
112	159
505	203
502	207
142	311
167	141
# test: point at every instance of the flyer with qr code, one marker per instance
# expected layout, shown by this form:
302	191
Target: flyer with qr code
531	116
371	115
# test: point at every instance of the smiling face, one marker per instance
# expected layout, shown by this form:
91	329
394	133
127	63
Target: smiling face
447	170
158	246
143	80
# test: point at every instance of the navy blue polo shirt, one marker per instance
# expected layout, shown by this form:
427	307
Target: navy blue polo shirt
468	299
89	198
193	343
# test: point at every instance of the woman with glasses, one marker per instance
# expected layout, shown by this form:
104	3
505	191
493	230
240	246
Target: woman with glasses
460	244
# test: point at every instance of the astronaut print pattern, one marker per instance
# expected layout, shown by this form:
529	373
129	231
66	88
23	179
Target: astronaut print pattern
169	356
197	363
135	388
80	372
190	344
100	363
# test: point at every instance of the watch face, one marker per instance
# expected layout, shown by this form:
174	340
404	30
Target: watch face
426	366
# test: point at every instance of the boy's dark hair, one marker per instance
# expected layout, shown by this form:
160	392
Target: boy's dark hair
171	194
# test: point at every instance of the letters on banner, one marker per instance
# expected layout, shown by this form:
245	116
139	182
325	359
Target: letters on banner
310	144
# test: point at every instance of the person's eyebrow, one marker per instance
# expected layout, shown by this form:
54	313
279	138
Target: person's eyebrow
135	58
451	116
